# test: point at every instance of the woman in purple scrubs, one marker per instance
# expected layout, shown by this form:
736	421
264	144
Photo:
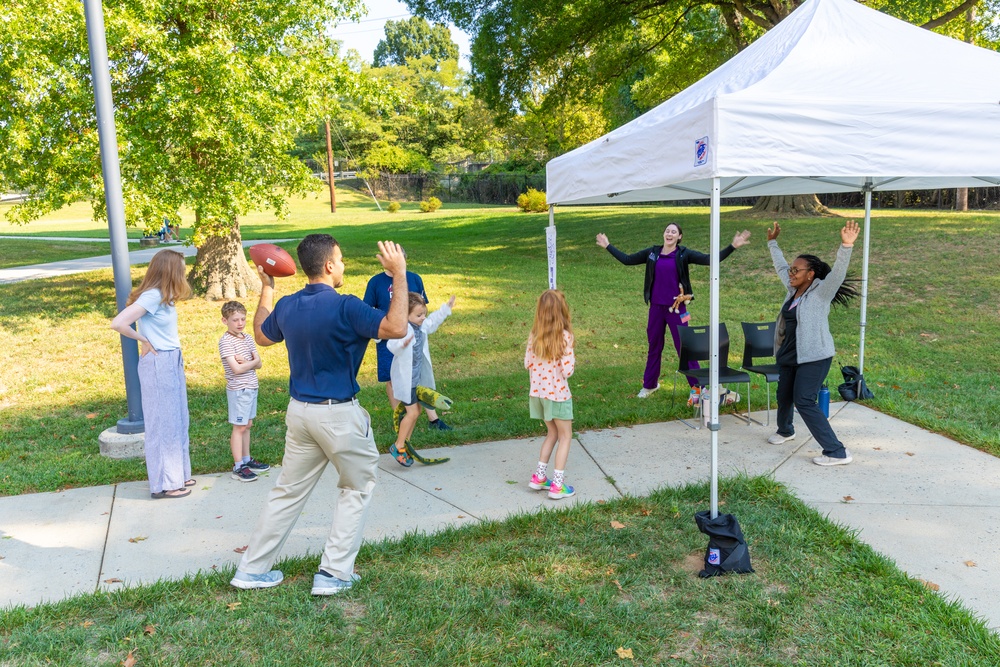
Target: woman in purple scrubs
666	276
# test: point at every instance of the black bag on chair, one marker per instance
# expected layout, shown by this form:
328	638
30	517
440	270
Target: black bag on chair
854	387
727	549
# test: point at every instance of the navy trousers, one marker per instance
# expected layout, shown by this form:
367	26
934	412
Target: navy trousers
799	386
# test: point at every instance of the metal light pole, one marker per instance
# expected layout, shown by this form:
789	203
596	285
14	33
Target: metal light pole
101	76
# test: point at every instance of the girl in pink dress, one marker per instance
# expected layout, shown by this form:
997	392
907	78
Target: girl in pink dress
550	361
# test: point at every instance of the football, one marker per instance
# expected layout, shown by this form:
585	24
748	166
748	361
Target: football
273	259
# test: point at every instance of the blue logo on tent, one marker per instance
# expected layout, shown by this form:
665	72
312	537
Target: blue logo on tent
701	151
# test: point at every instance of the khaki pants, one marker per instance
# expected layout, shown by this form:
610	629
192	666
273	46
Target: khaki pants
316	435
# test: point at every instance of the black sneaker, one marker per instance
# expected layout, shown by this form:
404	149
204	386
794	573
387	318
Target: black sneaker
244	474
440	425
257	466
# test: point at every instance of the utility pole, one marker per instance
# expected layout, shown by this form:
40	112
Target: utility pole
329	168
94	13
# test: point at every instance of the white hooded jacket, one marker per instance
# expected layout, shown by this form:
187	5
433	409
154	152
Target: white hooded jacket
401	372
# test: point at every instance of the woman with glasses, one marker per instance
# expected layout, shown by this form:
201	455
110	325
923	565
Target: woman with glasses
802	342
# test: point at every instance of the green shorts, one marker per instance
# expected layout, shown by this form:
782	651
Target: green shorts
546	410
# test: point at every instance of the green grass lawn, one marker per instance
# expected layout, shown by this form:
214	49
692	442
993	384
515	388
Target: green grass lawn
75	220
22	252
558	588
931	357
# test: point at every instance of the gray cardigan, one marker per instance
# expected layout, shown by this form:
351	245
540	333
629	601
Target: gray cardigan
813	340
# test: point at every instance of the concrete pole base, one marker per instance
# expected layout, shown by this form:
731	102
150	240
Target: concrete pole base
117	445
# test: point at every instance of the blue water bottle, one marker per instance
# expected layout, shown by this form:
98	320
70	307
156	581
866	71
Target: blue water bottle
824	401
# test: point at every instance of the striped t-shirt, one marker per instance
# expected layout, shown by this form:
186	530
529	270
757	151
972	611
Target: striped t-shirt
243	346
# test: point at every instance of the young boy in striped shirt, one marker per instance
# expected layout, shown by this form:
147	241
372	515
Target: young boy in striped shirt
240	361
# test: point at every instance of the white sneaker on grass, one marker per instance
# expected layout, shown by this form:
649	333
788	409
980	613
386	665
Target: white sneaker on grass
831	461
778	439
643	393
327	584
248	581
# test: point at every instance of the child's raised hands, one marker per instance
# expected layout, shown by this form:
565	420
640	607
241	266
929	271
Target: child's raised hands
451	301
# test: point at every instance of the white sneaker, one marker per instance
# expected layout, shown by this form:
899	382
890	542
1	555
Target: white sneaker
643	393
830	461
778	439
248	581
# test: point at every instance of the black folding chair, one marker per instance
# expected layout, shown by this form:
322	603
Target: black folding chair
758	343
696	346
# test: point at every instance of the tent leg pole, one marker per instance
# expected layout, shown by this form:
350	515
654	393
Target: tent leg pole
713	373
550	245
864	277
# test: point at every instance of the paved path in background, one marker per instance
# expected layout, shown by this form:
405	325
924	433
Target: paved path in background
84	264
928	503
75	239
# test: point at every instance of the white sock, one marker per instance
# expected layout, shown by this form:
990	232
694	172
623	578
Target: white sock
540	470
246	460
557	477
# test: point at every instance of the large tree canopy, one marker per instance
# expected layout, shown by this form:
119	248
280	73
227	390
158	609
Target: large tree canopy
414	38
209	95
609	48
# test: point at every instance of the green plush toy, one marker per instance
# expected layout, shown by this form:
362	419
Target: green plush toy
431	400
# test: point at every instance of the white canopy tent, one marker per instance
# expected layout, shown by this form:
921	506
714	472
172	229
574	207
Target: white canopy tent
836	98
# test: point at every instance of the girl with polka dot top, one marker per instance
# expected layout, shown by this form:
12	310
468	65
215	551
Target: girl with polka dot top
550	361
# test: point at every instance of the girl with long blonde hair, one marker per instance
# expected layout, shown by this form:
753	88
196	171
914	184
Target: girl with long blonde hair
161	372
550	361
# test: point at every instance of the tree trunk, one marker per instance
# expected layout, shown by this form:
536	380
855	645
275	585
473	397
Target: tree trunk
962	199
791	205
221	270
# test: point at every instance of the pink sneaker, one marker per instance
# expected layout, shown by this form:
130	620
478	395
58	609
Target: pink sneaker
557	491
538	483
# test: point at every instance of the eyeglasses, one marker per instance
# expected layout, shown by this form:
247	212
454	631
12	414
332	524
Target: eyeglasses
794	270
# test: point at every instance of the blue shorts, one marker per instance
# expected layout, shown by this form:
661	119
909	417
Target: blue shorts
384	357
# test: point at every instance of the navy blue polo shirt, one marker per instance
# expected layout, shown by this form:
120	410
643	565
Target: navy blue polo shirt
326	335
378	294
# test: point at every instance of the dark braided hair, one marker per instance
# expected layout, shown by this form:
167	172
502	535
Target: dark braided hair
848	289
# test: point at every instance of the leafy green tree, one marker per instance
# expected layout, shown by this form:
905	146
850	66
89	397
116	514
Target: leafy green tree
635	55
594	46
209	96
413	38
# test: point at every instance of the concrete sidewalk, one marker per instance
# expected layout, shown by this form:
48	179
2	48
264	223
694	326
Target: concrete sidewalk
930	504
84	264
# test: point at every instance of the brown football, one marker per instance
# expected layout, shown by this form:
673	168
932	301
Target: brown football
275	260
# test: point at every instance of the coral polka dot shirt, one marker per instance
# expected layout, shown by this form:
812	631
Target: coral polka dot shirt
548	377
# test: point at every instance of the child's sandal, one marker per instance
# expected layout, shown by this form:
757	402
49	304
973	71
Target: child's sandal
402	458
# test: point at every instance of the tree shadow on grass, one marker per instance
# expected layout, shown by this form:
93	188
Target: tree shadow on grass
62	298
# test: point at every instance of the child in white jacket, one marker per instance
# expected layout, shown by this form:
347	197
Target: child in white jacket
411	366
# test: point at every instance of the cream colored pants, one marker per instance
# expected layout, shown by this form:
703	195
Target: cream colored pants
316	435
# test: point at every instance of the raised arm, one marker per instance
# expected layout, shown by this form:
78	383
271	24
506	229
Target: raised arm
393	325
624	258
264	307
833	280
435	319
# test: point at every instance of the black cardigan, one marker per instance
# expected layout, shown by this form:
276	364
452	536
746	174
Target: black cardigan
685	256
